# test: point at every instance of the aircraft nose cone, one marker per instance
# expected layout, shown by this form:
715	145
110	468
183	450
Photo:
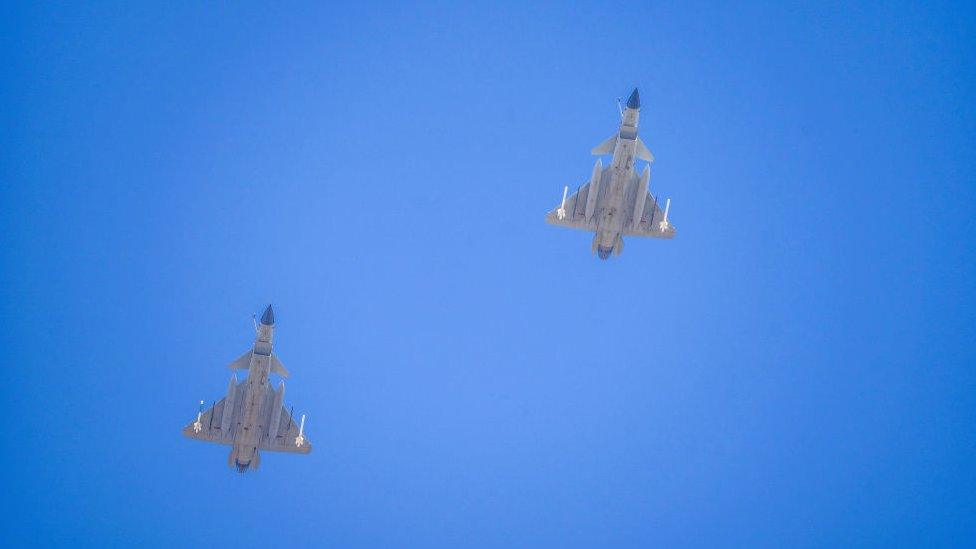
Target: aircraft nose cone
634	101
268	317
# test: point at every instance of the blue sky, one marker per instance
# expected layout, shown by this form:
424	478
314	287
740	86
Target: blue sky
795	368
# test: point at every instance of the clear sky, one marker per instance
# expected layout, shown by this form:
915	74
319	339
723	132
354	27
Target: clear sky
795	368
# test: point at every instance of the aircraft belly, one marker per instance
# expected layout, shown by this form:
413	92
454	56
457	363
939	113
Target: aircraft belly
252	413
613	218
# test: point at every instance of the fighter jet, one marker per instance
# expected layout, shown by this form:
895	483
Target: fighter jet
615	201
251	417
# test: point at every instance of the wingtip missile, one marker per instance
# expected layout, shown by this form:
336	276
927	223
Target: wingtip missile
561	212
198	425
300	439
664	225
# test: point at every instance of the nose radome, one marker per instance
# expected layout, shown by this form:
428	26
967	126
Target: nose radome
268	317
634	101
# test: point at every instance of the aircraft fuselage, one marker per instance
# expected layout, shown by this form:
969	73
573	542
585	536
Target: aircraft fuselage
611	217
250	430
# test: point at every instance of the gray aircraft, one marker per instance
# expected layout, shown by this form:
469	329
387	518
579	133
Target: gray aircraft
615	201
252	417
